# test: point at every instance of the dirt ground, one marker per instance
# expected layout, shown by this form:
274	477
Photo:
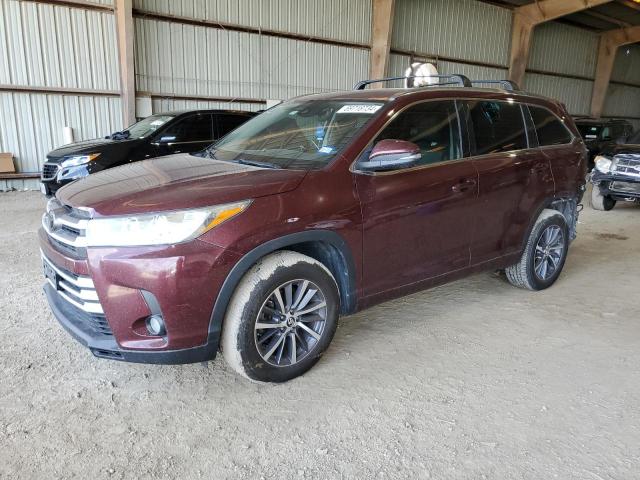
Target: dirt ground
473	380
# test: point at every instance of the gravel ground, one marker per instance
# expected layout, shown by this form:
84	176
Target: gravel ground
471	380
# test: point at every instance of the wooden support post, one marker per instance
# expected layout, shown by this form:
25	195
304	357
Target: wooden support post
124	26
381	28
526	18
609	43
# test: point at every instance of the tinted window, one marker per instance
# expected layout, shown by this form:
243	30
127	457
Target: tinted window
196	128
228	122
550	130
433	126
498	127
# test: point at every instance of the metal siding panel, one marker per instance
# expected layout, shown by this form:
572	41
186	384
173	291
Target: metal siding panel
240	64
34	123
627	65
564	49
57	46
622	101
457	29
348	21
160	105
575	94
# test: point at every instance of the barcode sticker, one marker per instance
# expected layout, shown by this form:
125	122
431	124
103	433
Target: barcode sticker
359	108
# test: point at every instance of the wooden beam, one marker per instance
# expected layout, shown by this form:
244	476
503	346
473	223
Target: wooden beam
381	29
124	27
609	43
526	18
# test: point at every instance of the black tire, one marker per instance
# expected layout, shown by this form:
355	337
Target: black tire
524	274
240	330
601	202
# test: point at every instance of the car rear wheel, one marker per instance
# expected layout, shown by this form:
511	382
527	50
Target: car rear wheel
281	318
599	201
544	255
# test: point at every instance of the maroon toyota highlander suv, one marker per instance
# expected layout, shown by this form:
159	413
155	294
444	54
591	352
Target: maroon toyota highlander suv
319	207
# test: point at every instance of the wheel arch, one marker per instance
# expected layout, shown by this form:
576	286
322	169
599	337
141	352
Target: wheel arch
326	246
566	206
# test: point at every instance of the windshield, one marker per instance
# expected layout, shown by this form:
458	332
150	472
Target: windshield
589	132
146	127
304	134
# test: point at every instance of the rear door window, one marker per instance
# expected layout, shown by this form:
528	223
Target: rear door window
195	128
549	128
227	122
497	126
433	126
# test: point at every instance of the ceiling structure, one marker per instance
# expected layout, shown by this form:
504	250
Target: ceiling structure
609	16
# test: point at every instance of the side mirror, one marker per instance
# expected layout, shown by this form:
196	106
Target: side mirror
167	139
391	155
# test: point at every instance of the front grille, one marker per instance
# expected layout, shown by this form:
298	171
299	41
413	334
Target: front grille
627	164
79	292
49	171
625	187
66	228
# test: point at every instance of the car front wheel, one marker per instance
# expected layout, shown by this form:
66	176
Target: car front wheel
599	201
281	318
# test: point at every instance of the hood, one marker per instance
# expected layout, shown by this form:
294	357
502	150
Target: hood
174	182
624	148
82	148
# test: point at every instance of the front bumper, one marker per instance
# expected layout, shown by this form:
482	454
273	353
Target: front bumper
618	187
180	282
75	322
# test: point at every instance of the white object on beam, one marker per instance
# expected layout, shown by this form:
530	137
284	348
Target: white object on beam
67	135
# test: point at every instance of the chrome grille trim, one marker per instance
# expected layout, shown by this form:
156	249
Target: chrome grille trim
78	290
63	225
49	171
627	164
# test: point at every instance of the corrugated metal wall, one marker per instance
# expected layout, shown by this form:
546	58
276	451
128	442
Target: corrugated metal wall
346	20
56	46
627	66
458	29
224	63
51	46
549	50
169	104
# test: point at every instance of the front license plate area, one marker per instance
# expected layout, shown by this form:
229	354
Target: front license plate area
50	274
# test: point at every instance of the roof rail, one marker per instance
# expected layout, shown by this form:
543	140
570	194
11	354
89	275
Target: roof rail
505	84
459	80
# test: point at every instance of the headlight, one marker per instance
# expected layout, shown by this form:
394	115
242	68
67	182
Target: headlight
76	160
603	164
162	228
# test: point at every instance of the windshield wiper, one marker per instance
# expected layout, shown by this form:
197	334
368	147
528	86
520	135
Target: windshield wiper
257	164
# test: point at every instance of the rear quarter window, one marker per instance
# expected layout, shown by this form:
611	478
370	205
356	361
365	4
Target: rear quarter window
549	128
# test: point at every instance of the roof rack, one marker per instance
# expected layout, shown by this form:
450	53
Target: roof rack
505	84
459	80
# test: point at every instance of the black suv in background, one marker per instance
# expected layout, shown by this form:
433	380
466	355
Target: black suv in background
616	176
601	133
155	136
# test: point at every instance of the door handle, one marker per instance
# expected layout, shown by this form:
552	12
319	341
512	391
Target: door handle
464	185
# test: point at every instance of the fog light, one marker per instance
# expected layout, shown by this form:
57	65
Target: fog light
155	325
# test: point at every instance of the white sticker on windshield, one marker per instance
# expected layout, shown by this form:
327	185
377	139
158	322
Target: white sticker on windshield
359	108
156	123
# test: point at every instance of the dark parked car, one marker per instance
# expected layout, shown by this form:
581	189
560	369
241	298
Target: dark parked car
602	133
321	206
616	176
155	136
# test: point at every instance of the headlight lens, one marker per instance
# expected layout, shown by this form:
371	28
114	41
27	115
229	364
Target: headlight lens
603	164
76	160
159	228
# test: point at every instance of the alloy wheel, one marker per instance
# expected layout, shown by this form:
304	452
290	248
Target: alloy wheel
290	323
549	251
